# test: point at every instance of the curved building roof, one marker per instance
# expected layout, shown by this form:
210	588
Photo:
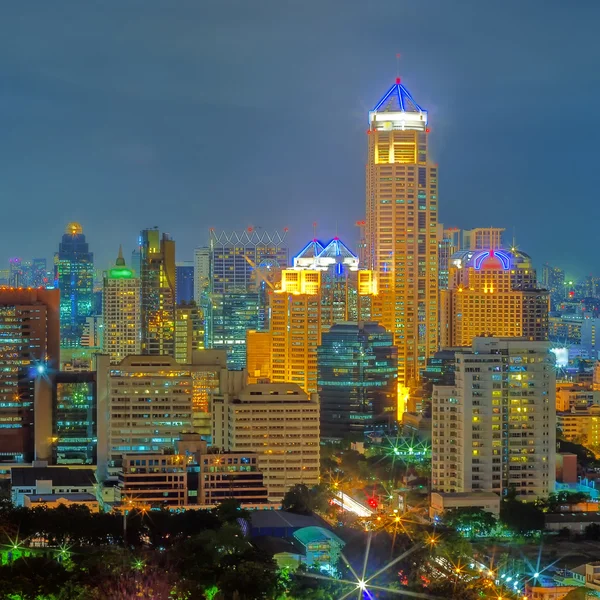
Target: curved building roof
491	259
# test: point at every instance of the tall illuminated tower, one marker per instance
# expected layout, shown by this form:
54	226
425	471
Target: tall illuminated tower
157	271
121	312
74	273
400	230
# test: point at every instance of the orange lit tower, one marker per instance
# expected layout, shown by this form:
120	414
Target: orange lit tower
400	231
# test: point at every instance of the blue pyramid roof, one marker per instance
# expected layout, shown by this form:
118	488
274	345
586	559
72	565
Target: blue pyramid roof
398	99
337	248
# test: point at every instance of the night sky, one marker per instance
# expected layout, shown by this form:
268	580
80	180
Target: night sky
190	114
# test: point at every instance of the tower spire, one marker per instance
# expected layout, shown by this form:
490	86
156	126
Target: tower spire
120	260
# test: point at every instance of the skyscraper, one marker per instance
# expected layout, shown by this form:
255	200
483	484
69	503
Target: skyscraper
121	312
401	228
357	377
553	279
189	332
74	273
495	428
238	295
296	328
29	349
157	260
492	292
184	282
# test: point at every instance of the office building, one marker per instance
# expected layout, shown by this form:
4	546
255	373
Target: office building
184	282
495	428
121	312
492	292
29	349
230	475
74	275
242	267
482	238
357	377
189	332
571	395
235	256
157	263
590	336
277	422
401	228
148	401
153	480
581	424
346	290
296	326
229	317
201	274
258	356
553	279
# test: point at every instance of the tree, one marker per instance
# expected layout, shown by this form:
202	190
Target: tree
521	517
470	521
230	510
31	578
298	499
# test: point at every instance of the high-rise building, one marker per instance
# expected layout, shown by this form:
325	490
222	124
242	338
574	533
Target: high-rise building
232	315
492	292
241	268
357	377
346	291
157	260
449	242
278	422
29	349
201	274
495	428
553	279
482	238
74	274
189	332
147	401
121	312
401	228
258	356
296	328
184	282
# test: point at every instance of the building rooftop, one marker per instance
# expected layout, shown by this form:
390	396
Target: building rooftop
54	497
60	476
466	495
281	518
312	534
398	99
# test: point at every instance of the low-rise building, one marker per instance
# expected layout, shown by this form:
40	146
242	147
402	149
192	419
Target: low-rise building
580	424
153	480
322	548
56	500
441	502
230	475
40	480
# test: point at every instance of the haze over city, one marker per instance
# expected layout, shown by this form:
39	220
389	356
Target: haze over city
133	114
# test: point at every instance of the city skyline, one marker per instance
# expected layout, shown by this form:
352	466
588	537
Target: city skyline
107	138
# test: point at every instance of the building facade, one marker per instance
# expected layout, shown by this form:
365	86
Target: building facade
29	350
184	282
492	292
277	422
357	379
495	428
74	275
158	276
401	227
121	312
189	332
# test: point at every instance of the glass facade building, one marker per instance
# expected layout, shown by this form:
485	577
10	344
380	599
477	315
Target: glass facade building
74	275
74	434
230	318
357	376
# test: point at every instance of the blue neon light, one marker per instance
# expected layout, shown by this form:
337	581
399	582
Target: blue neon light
402	94
500	254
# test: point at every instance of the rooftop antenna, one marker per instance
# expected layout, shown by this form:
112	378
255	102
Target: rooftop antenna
514	240
315	230
398	67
